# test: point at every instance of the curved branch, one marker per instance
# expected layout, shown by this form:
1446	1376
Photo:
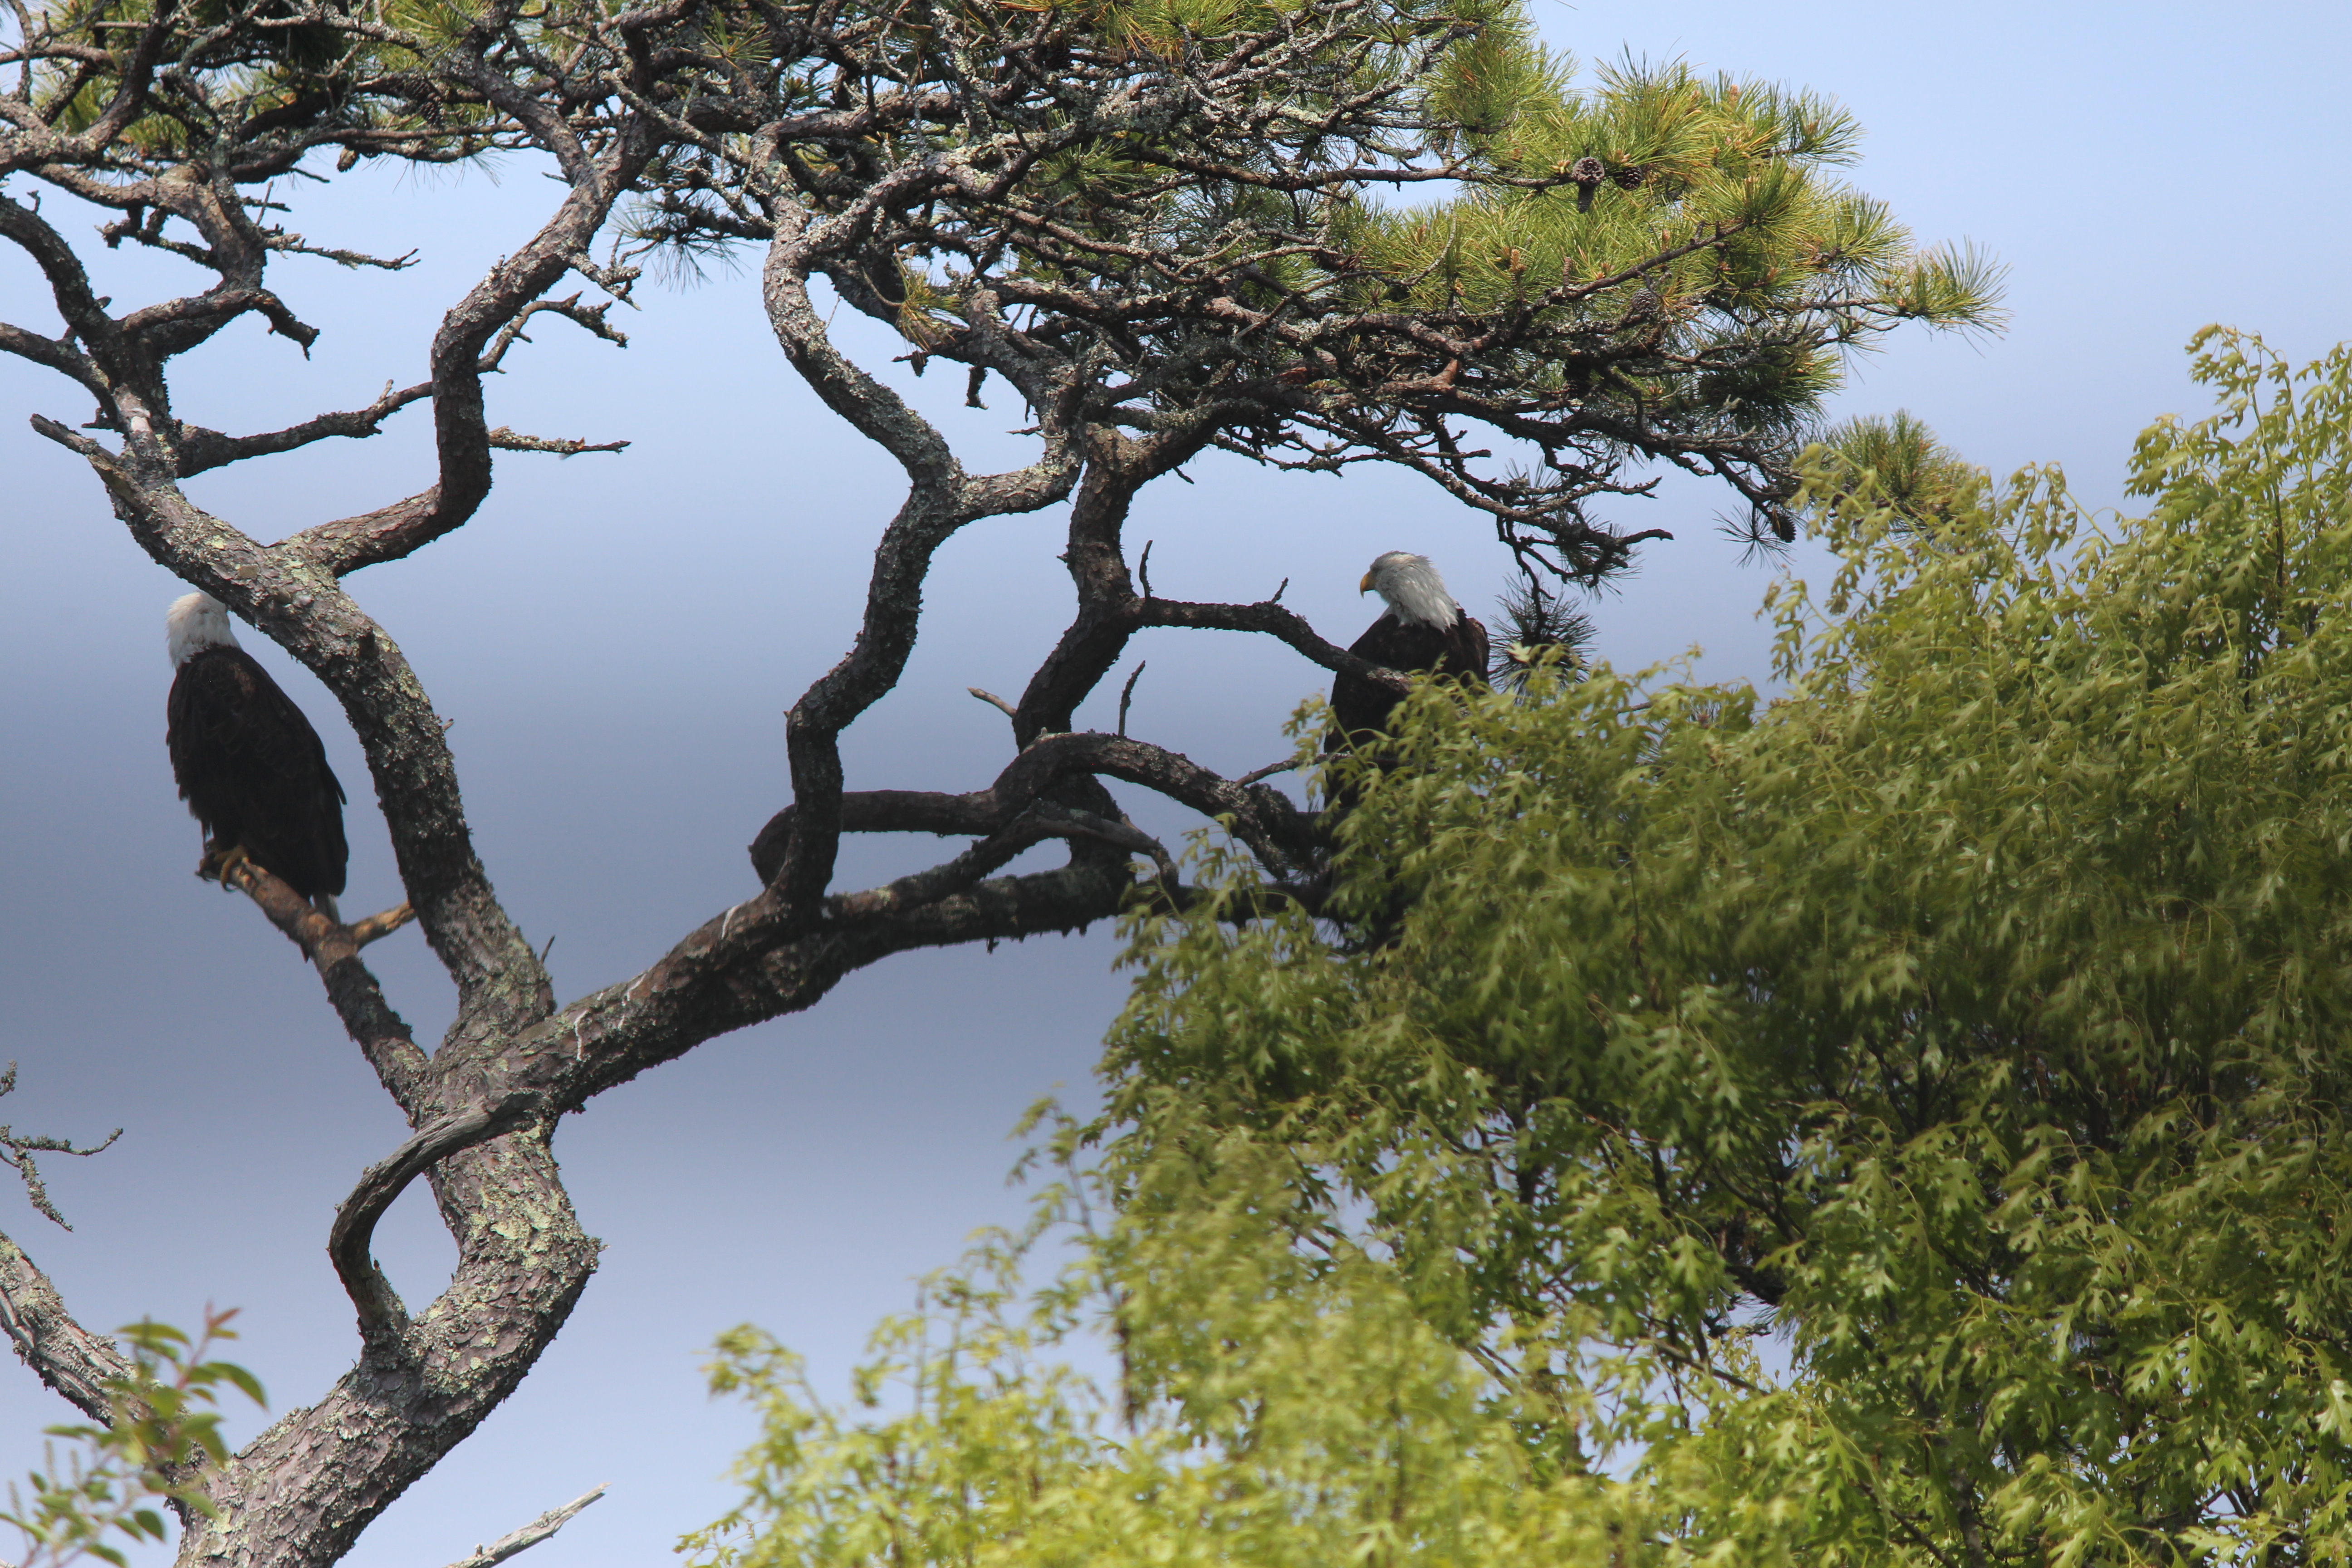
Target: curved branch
749	963
123	364
462	436
349	1240
1277	832
941	500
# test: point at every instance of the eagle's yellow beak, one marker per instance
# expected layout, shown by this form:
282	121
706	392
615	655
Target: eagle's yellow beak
1366	585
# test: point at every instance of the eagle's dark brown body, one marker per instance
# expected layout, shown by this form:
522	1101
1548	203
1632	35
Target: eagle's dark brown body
1459	650
254	772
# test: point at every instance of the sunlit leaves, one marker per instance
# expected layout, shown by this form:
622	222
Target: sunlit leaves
1977	1006
1272	1399
162	1431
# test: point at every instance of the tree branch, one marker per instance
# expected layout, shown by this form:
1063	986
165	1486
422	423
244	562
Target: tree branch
1271	619
382	1037
349	1240
462	436
1281	835
17	1148
71	1360
201	449
58	354
530	1535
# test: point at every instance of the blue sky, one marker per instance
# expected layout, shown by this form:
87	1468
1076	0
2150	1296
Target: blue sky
616	638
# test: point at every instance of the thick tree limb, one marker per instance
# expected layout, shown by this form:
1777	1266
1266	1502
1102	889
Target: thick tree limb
731	972
71	1360
348	1241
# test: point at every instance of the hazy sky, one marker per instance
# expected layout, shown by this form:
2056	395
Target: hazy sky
616	638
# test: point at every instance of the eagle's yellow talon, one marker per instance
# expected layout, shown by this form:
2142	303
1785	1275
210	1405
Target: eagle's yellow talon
220	864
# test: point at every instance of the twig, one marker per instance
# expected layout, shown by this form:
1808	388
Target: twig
530	1535
1143	568
17	1149
1128	691
993	701
1266	772
377	926
506	440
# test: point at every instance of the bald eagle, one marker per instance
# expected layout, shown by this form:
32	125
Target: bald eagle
250	767
1422	629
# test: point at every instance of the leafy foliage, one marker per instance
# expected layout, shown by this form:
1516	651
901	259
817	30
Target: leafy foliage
1278	1400
162	1429
1968	1017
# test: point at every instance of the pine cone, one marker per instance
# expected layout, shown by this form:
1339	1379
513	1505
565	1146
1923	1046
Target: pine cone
1632	176
1586	175
1642	307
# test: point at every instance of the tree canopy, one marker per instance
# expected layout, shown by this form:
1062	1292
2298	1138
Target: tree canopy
1316	233
1896	1122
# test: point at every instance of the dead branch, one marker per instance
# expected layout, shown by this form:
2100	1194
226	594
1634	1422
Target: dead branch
17	1148
530	1535
1140	325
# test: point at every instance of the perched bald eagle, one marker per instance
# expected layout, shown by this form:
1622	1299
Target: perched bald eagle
250	767
1422	629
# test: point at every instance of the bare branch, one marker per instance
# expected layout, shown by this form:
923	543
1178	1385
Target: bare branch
993	701
58	354
293	244
1126	692
1266	772
1271	619
17	1149
506	440
1281	834
382	1037
530	1535
67	1357
349	1240
201	449
589	317
463	438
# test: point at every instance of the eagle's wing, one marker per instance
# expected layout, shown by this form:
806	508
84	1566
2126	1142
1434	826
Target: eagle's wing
255	771
1466	652
1361	705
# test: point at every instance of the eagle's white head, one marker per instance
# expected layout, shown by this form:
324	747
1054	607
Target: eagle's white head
1414	590
195	623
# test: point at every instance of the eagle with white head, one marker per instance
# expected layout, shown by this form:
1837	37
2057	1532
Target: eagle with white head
252	770
1421	629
